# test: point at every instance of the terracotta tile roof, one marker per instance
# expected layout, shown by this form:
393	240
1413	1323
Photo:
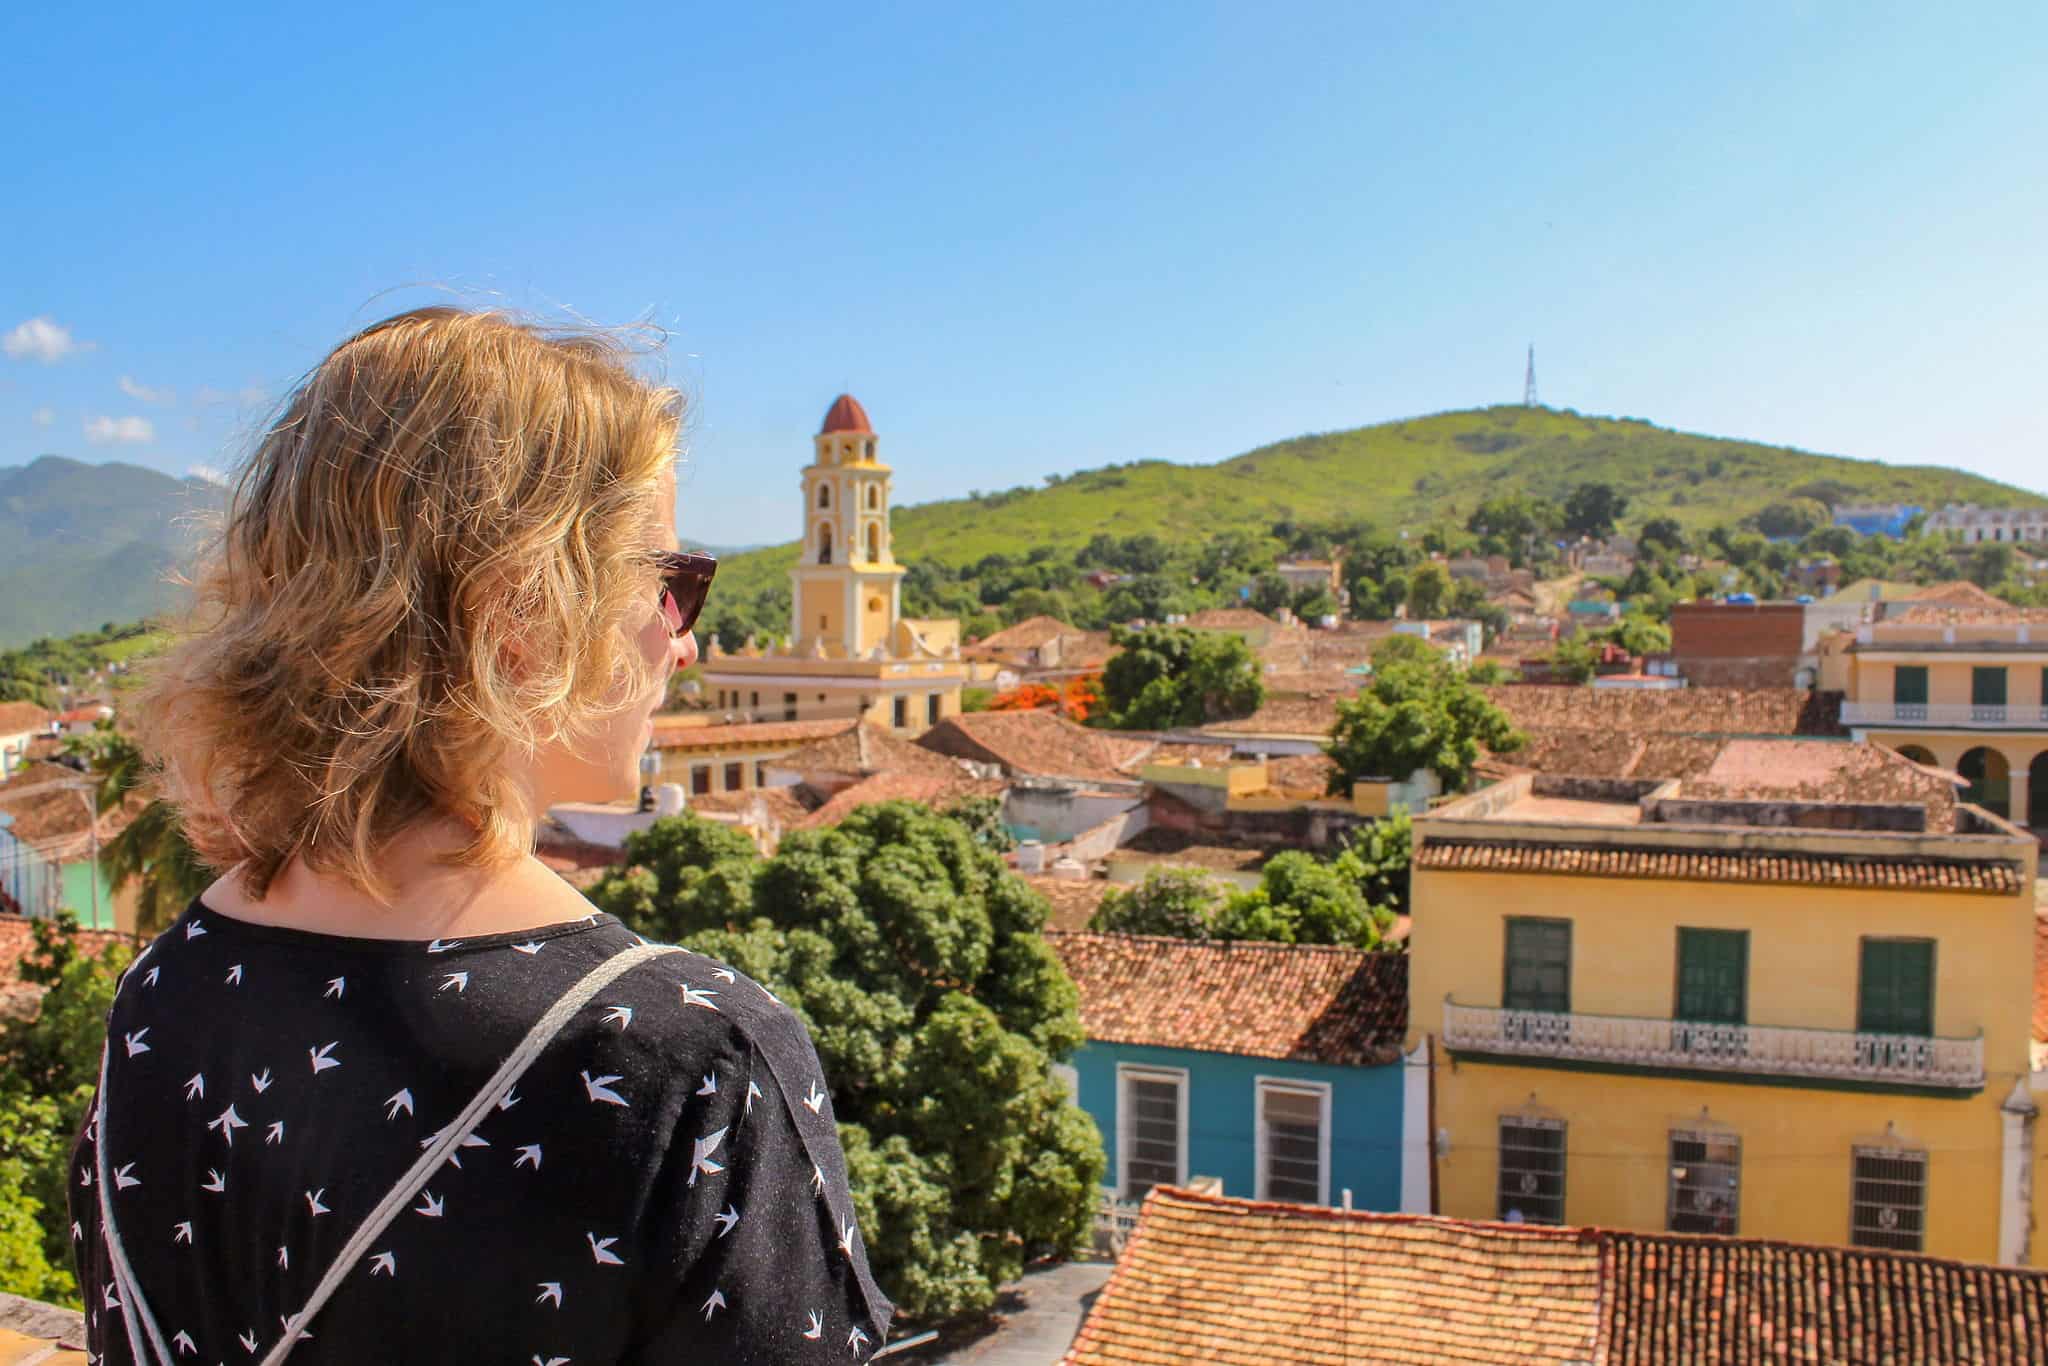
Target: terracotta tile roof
1027	634
846	415
783	805
1824	771
1989	876
1689	711
1231	619
1672	1299
1296	1002
865	750
691	737
1300	773
1243	1283
1038	743
1073	899
1293	717
1163	844
1958	593
1672	756
1209	1278
16	717
1580	753
1943	614
935	790
47	811
1313	683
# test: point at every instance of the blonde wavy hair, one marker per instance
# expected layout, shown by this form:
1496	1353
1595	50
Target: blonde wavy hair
424	568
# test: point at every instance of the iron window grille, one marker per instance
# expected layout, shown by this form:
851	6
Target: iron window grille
1705	1189
1531	1189
1888	1199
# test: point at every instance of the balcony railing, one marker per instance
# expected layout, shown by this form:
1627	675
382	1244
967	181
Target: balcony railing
1767	1050
1967	715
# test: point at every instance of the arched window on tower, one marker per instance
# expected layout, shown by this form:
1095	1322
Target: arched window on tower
870	448
824	495
874	542
824	545
874	496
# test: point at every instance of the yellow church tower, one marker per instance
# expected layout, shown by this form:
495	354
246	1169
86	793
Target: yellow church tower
850	652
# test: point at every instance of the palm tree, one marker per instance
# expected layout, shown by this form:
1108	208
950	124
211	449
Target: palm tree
151	849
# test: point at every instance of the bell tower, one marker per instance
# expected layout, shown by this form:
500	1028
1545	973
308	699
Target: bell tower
845	588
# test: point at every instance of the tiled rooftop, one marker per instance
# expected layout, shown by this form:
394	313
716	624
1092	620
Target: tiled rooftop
1027	634
1307	1003
685	736
1682	711
46	808
1038	744
1213	1279
1291	717
1823	771
865	750
929	789
1163	844
16	717
1989	876
1241	1283
1073	899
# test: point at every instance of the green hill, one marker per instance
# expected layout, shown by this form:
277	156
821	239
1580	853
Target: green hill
1415	473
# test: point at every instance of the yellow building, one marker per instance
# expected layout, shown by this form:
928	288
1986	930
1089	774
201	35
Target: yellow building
1789	998
850	652
1965	688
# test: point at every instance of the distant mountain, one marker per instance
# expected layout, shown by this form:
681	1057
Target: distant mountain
81	545
1412	473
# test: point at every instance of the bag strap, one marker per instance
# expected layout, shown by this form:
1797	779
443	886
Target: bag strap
543	1031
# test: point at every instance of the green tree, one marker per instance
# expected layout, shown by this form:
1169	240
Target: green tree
1181	902
1303	900
1593	509
1416	716
1167	676
151	850
1642	635
1270	593
1377	857
1793	517
1402	648
1663	534
1572	660
1314	603
1429	590
982	817
914	958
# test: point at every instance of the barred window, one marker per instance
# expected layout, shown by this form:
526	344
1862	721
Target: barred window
1531	1171
1293	1134
1888	1200
1706	1183
1151	1135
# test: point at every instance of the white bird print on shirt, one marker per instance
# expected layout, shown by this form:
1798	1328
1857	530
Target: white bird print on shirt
530	948
85	1176
710	1086
511	1098
313	1202
195	1089
228	1122
401	1101
135	1043
235	975
214	1182
335	986
260	1081
248	1341
817	1179
438	947
856	1340
429	1206
817	1328
194	930
601	1251
182	1340
149	978
321	1062
284	1258
122	1180
275	1133
182	1233
468	1141
551	1361
724	974
618	1015
599	1089
814	1097
714	1304
385	1262
549	1290
458	980
107	1299
701	1161
753	1093
726	1220
529	1156
694	997
77	1232
291	1324
846	1239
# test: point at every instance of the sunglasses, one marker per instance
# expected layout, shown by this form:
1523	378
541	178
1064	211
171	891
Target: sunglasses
685	583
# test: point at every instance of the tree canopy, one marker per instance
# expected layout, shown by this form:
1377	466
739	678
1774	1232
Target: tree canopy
1167	676
1593	509
915	959
1416	715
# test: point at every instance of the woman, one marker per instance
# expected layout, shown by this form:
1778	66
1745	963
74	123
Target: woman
444	598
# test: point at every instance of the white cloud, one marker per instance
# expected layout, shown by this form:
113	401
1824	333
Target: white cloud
44	416
208	473
126	431
43	339
143	393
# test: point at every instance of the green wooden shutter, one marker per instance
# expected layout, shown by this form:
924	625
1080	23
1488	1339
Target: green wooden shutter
1539	966
1909	685
1987	685
1897	995
1713	976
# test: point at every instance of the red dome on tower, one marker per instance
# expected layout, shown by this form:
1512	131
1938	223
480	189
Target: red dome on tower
846	415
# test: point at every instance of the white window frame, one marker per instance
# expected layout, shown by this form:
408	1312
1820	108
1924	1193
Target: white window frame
1126	1115
1321	1091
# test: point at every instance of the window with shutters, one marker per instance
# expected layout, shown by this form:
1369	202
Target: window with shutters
1909	685
1888	1199
1293	1141
1713	976
1539	965
1895	989
1987	685
735	777
1152	1129
700	779
1706	1183
1531	1189
901	712
931	709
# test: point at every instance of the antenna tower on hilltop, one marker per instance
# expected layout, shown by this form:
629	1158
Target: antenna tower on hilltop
1529	381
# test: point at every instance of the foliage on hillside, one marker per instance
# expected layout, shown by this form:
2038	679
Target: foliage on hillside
1429	472
38	671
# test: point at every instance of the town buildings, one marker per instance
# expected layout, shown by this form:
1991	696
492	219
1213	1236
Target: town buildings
850	652
1789	998
21	723
1978	525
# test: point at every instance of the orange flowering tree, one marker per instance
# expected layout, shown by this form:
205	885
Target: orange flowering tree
1076	698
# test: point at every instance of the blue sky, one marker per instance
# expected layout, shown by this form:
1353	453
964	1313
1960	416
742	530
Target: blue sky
1040	238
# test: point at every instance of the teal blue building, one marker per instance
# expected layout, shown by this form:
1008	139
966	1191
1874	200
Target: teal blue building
1274	1069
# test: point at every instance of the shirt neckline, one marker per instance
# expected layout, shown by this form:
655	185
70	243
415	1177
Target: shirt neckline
289	936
